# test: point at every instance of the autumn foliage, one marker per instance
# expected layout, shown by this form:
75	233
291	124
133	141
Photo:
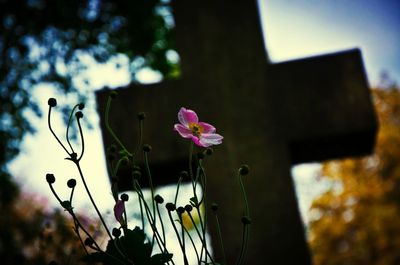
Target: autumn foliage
32	233
357	221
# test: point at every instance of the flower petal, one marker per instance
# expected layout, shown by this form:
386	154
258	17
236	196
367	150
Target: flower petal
119	210
209	139
197	141
183	131
207	128
186	116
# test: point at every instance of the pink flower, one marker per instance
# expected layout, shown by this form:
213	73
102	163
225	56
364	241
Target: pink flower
119	209
201	133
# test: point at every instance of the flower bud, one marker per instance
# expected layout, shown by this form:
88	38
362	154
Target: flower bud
184	174
50	178
74	156
116	232
89	241
180	210
244	170
136	174
124	197
81	106
209	151
246	220
158	199
66	205
113	94
146	148
214	207
188	208
170	206
141	116
79	114
71	183
52	102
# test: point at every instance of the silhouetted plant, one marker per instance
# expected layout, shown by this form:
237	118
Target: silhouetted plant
133	246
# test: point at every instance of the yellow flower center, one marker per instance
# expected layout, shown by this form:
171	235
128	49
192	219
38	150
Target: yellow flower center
196	129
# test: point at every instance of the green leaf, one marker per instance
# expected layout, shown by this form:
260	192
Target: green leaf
194	202
133	244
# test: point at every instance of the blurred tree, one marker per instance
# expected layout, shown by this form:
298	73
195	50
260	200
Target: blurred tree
357	222
32	234
47	41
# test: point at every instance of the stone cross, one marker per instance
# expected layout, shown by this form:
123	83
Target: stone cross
271	115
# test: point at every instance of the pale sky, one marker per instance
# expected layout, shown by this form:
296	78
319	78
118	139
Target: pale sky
300	28
294	29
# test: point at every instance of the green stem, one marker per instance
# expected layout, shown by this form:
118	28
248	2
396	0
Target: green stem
69	125
141	211
72	194
91	198
54	134
108	127
150	218
177	189
202	240
162	224
244	244
82	139
179	239
246	203
220	239
146	162
193	244
245	237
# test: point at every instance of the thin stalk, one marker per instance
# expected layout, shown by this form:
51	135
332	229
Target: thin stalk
70	211
72	194
221	242
146	162
69	125
91	198
243	246
76	230
183	238
177	189
82	139
193	244
246	203
109	127
150	218
200	237
114	172
55	194
141	211
203	177
179	239
162	224
245	235
54	134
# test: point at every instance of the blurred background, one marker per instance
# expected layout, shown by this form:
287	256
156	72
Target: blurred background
70	49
